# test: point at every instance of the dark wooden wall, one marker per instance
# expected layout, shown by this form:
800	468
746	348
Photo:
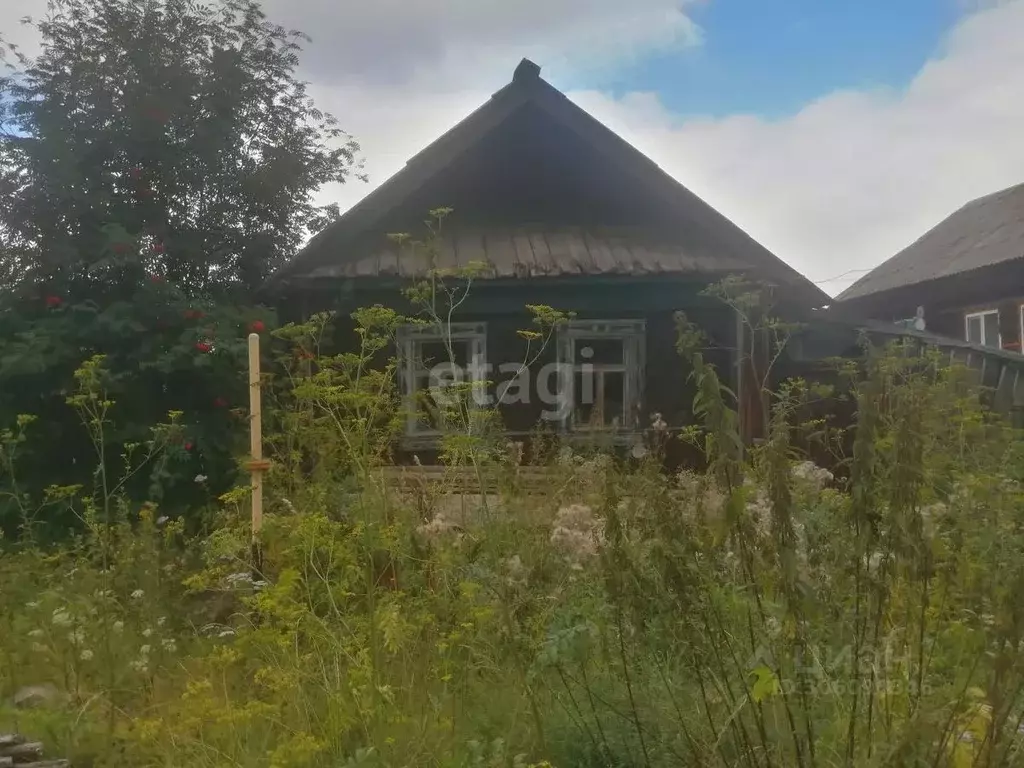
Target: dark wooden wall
668	388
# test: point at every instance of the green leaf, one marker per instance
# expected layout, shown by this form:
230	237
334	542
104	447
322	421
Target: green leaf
766	684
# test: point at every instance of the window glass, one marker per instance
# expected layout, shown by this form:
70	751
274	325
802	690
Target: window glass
607	368
991	321
974	329
599	399
983	328
599	351
437	376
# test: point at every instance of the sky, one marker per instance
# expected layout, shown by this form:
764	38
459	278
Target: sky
835	132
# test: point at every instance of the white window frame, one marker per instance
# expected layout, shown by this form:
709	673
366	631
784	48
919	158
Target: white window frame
411	338
633	335
981	315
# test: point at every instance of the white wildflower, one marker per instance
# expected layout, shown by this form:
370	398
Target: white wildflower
85	655
875	561
438	528
515	570
118	627
144	650
759	508
242	577
567	457
169	645
161	621
162	520
76	637
514	452
137	594
33	604
36	633
139	665
577	533
147	632
811	473
61	618
200	478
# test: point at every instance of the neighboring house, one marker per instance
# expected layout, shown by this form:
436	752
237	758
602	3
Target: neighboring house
563	213
963	279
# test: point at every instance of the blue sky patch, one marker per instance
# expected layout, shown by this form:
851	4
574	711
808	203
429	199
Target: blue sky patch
771	58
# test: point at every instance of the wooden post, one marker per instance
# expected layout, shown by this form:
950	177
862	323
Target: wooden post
257	464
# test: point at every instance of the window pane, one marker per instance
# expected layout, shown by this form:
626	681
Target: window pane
614	398
431	353
428	412
600	397
597	351
974	329
991	329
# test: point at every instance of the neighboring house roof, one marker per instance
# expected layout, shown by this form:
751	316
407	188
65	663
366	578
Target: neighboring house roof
340	251
985	232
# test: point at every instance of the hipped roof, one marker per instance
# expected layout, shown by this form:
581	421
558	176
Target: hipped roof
337	248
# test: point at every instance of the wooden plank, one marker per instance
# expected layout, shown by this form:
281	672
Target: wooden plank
621	254
366	267
641	261
1004	389
600	253
501	254
524	252
579	254
443	253
1018	390
469	246
541	253
23	752
387	261
413	260
559	253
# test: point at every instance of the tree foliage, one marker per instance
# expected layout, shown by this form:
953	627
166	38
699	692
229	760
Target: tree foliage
163	135
158	159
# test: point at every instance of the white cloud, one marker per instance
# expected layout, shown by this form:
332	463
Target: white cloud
448	44
839	186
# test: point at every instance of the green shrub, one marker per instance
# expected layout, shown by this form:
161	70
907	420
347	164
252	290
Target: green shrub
762	613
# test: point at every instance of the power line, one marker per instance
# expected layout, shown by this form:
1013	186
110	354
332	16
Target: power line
840	277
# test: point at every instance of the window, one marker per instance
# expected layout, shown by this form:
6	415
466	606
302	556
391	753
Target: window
983	328
437	362
601	364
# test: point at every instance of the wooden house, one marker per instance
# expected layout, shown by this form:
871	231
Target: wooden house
963	279
561	212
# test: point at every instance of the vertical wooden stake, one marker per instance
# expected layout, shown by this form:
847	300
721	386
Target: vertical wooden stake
257	464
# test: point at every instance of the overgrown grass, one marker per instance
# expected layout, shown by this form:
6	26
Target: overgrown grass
763	613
